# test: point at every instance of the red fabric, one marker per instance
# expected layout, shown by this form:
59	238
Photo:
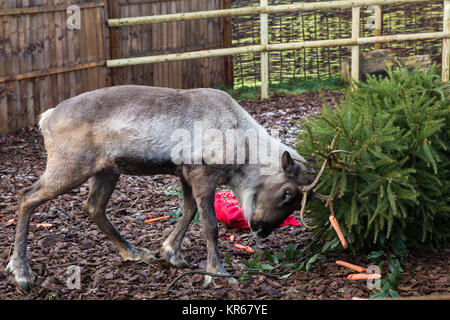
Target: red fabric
229	211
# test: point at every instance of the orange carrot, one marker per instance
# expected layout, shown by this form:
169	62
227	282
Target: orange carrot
335	225
157	219
242	247
229	236
350	266
364	276
44	225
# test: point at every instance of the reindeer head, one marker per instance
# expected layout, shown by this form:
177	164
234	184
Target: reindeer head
278	195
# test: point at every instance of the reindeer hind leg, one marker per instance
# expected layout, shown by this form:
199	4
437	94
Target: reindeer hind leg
101	187
172	246
56	180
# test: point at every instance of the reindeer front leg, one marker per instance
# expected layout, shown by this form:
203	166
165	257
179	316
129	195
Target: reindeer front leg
204	189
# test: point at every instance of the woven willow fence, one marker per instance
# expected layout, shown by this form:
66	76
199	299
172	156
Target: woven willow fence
322	25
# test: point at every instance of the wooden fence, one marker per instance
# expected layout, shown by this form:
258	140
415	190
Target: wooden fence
355	41
43	62
323	63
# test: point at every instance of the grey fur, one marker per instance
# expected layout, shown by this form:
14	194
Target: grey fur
101	134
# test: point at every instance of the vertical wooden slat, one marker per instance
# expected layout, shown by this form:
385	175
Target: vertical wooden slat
106	81
59	46
196	80
206	75
94	46
264	55
355	49
20	51
175	45
82	53
179	65
154	44
36	63
22	66
185	31
125	45
112	10
133	44
446	44
65	48
15	69
3	68
170	44
163	39
144	36
30	39
378	25
65	94
78	40
71	58
54	88
45	94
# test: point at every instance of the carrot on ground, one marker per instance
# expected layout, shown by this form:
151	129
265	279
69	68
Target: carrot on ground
364	276
335	225
351	266
242	247
229	236
157	219
44	225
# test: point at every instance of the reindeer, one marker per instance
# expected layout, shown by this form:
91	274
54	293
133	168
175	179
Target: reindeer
101	134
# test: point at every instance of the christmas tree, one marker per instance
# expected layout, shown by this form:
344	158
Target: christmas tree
392	182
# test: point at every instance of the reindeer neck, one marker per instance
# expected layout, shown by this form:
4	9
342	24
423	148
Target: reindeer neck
246	179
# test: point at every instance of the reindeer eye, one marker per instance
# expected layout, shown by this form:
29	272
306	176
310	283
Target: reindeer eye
287	196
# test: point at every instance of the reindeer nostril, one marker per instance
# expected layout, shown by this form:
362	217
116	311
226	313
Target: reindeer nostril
255	226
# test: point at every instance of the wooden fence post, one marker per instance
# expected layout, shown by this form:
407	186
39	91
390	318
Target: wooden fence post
355	48
112	12
227	38
446	44
378	25
264	55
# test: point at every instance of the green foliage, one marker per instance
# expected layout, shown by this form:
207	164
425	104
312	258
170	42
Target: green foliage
283	263
176	190
293	86
394	183
390	266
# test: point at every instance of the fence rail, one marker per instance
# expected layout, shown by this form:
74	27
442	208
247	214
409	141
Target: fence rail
262	9
355	41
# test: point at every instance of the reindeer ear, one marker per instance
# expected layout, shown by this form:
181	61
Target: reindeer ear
290	168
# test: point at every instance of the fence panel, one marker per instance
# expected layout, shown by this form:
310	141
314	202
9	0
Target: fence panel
42	62
165	38
324	25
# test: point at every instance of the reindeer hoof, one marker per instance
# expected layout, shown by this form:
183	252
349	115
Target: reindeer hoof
219	280
23	276
138	254
173	257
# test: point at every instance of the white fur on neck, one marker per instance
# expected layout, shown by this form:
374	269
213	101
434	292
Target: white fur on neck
248	202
